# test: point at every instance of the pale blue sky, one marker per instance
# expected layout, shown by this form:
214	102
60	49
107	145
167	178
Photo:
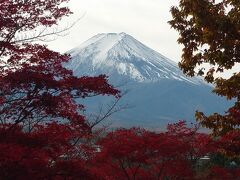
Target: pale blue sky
146	20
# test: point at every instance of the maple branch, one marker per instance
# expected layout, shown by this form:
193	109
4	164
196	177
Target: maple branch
112	108
42	33
124	169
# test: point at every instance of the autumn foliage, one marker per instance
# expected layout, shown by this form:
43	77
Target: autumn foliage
44	135
45	153
139	154
54	151
210	33
34	85
41	123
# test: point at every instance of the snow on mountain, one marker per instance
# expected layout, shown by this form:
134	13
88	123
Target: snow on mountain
117	54
158	91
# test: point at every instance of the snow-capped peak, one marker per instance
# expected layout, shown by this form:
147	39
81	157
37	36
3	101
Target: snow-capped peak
119	54
103	42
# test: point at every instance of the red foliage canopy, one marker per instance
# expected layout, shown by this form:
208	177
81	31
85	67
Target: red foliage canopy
41	154
34	85
36	91
140	154
43	134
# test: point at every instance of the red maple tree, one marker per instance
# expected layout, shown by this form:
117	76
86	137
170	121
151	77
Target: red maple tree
140	154
34	85
41	124
43	134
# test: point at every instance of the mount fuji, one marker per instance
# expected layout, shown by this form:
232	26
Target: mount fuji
158	92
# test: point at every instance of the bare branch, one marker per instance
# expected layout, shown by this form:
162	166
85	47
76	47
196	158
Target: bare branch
103	115
44	34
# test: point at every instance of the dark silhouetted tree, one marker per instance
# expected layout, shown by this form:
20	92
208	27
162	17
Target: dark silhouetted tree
210	33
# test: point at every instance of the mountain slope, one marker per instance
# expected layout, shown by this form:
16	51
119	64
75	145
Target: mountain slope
158	92
121	54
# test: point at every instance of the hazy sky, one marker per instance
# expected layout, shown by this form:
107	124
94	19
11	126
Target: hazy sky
145	20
